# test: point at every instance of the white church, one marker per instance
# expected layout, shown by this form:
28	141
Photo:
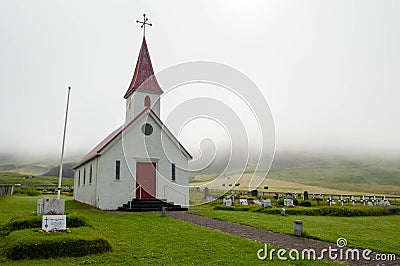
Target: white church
138	161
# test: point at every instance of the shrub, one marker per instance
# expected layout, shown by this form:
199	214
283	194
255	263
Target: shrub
305	204
27	191
319	211
28	244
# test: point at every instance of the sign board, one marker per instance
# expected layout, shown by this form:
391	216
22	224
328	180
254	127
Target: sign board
51	222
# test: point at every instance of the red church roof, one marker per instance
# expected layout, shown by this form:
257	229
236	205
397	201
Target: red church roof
143	77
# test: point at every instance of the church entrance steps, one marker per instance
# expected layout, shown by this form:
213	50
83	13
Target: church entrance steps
150	205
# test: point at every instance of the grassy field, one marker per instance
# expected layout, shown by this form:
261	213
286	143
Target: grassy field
15	178
376	233
146	239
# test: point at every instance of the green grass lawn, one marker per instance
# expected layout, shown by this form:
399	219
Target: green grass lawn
376	233
145	239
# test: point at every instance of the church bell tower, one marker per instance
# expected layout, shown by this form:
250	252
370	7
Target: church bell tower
144	90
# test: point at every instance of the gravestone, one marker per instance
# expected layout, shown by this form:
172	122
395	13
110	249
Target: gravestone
305	195
243	202
288	202
298	227
227	202
370	203
266	203
50	205
54	222
207	194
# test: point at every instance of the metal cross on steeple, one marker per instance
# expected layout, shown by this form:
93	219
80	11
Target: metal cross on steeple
144	23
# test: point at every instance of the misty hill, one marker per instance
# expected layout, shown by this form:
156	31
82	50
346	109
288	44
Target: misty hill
335	168
67	170
48	167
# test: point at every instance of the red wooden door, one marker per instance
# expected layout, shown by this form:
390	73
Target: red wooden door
146	179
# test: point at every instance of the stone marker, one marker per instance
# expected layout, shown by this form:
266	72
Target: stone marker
243	202
266	203
54	222
288	202
298	227
227	202
50	205
305	195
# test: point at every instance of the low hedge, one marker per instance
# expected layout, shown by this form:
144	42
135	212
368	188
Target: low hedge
73	221
320	211
29	244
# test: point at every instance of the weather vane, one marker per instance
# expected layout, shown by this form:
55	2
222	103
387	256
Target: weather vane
144	23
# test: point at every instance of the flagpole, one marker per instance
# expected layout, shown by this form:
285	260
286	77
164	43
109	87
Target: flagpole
62	148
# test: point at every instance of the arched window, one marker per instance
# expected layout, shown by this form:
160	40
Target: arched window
147	101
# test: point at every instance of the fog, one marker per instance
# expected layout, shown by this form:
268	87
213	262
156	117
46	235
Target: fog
329	70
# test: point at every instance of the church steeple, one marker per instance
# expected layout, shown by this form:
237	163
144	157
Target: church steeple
143	72
144	90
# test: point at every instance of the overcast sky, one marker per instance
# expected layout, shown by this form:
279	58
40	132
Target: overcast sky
329	70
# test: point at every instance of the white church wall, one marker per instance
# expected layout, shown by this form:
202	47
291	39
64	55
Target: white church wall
113	192
176	191
130	147
84	187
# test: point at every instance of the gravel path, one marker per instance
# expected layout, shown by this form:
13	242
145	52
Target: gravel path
275	239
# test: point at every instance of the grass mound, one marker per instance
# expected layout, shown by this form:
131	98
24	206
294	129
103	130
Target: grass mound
73	221
29	244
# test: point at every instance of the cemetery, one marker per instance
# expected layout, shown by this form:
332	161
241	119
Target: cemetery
303	203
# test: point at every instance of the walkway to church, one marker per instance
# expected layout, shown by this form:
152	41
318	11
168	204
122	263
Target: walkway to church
272	238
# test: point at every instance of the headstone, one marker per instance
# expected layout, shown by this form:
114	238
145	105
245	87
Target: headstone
298	227
384	202
54	222
50	206
266	203
370	203
330	201
283	211
305	195
288	202
341	200
363	201
352	200
257	202
207	194
227	202
243	202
